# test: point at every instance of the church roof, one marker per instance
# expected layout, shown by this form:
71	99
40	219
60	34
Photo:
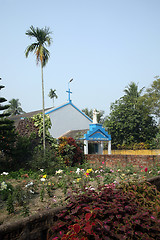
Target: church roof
65	104
18	118
76	134
97	133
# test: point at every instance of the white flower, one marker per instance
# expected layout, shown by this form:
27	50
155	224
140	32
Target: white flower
43	179
78	170
31	191
3	186
59	171
4	173
29	184
42	170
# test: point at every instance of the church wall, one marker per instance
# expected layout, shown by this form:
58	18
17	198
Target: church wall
65	119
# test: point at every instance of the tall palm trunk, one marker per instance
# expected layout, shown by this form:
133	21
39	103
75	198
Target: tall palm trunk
44	140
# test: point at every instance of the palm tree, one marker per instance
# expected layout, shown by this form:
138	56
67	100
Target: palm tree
132	90
43	39
52	94
132	93
14	108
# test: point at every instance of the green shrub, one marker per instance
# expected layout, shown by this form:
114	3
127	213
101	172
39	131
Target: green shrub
50	161
5	190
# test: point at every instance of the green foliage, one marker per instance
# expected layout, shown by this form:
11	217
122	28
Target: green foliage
5	190
152	98
19	195
38	122
7	129
129	122
52	94
43	39
15	107
155	144
23	152
42	192
50	162
10	206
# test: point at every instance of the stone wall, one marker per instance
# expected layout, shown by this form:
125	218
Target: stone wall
123	160
30	228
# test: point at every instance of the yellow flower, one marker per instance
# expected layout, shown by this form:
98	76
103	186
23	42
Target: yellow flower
78	179
45	176
89	170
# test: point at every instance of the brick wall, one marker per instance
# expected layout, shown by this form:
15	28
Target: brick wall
123	160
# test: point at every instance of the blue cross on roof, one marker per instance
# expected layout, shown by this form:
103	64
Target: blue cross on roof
69	95
69	92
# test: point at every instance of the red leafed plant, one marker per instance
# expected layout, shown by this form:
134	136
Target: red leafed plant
70	151
110	213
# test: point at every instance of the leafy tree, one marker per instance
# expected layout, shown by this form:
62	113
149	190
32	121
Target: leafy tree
129	123
52	94
7	130
43	39
14	108
152	98
89	113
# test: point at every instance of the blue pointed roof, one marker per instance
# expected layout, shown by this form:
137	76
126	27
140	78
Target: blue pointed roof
97	133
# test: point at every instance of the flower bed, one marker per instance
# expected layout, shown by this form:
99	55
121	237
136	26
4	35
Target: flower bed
26	193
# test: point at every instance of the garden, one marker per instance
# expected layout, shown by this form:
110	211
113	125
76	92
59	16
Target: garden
101	202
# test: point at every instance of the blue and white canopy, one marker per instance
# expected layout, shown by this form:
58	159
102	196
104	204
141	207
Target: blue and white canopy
97	133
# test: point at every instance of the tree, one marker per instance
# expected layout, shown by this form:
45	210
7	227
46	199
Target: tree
132	93
43	39
14	108
7	129
152	98
52	94
129	123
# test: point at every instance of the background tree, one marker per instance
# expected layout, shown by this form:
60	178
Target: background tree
14	108
52	94
129	122
43	39
89	113
7	130
132	93
152	98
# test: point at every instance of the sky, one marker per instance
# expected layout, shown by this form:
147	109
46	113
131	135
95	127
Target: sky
104	45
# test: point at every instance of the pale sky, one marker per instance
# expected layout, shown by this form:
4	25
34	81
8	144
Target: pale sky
102	44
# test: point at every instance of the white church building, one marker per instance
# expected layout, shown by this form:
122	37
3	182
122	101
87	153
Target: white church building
65	118
68	119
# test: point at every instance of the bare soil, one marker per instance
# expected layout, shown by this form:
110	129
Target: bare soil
35	205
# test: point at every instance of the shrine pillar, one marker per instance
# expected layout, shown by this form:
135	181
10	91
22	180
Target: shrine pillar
109	147
85	147
100	148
